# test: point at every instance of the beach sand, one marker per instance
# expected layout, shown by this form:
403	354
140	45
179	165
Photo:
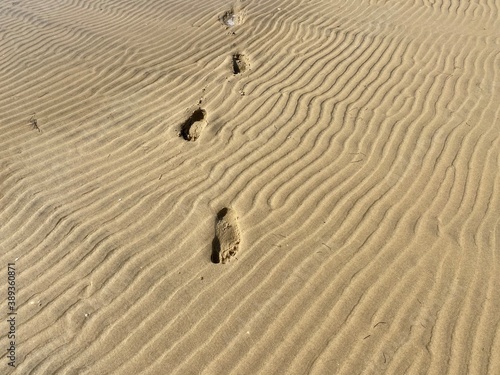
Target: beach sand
339	158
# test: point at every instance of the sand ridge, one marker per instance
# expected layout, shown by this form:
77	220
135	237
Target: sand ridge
358	143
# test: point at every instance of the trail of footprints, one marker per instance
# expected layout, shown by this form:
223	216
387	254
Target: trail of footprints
227	239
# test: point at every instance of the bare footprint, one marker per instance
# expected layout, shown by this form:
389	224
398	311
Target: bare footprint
231	18
194	125
227	236
240	63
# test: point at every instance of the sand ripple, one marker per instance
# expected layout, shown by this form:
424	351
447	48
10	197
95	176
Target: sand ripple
358	142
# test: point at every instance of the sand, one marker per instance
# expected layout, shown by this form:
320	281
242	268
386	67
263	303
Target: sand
356	143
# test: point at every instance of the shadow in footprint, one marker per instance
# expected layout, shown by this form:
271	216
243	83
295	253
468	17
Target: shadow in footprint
215	250
194	125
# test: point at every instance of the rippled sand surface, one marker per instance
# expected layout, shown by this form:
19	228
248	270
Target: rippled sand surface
340	159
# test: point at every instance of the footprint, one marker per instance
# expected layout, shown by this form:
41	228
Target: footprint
194	125
227	236
230	18
240	63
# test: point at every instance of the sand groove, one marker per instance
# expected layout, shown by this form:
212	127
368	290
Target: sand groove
358	142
